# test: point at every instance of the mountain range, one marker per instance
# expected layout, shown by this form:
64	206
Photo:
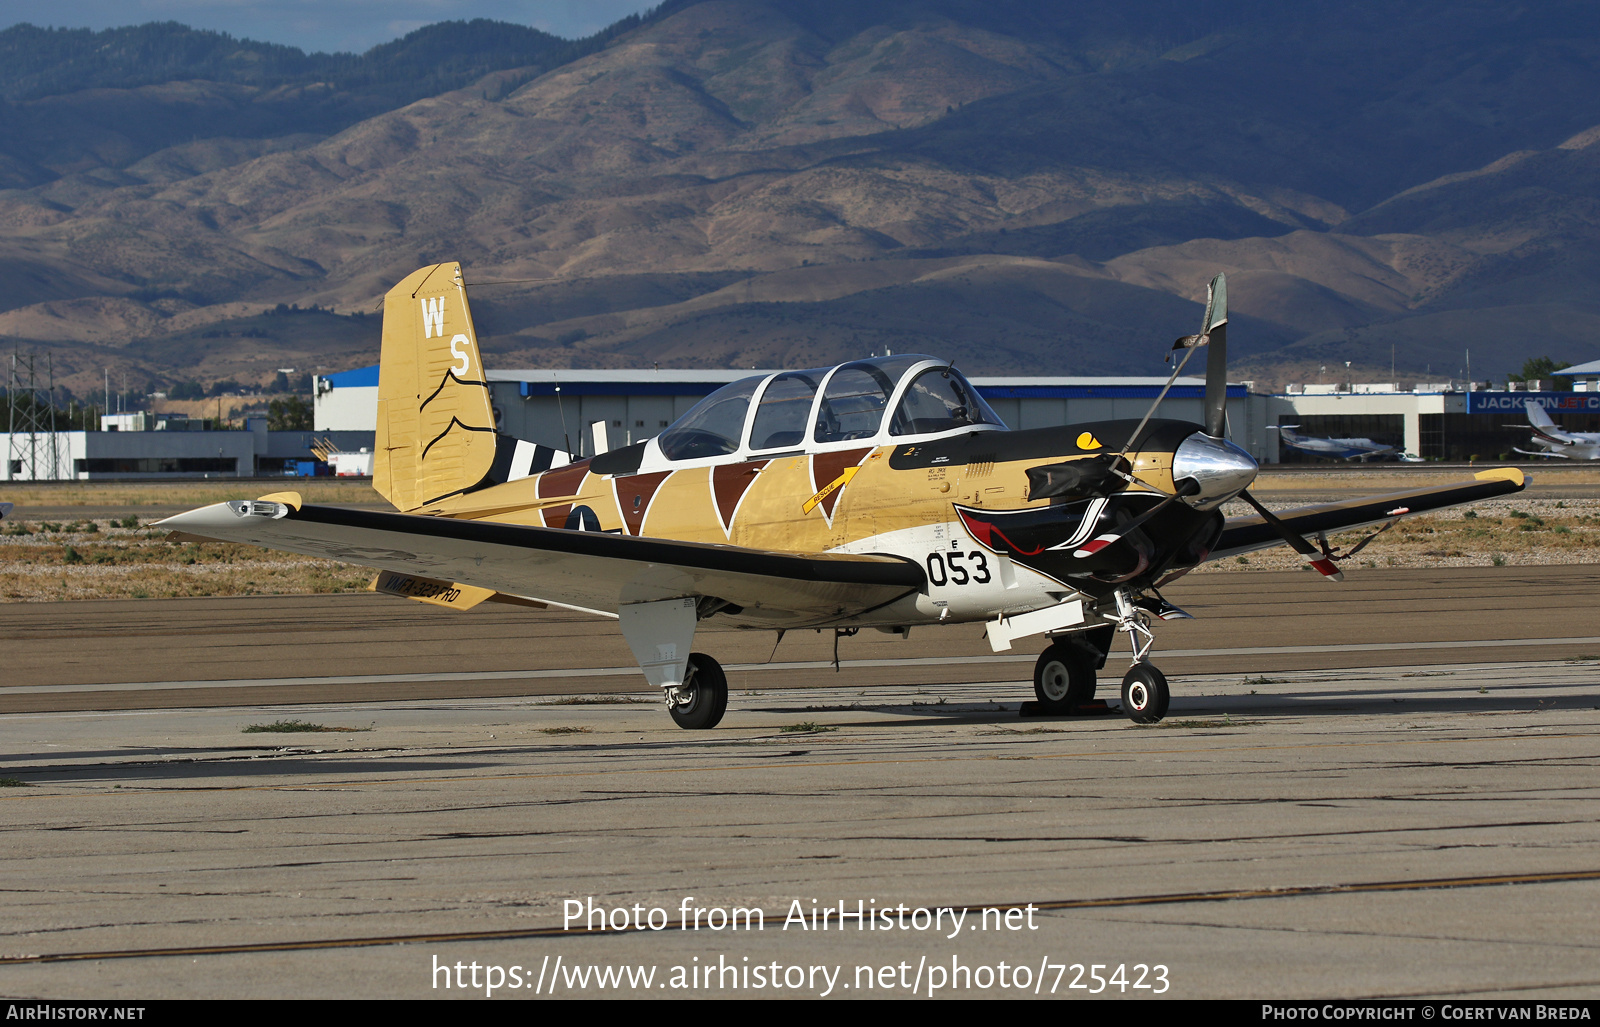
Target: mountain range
1025	188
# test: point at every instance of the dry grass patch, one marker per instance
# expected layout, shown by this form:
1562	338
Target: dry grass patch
50	562
1226	721
1502	532
188	493
295	726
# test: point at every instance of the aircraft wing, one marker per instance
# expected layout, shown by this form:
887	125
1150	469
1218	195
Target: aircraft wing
594	571
1244	534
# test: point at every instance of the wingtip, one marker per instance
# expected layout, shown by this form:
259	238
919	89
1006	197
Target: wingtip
289	499
1511	474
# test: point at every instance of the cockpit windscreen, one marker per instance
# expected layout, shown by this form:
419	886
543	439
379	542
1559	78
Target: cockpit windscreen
713	426
940	399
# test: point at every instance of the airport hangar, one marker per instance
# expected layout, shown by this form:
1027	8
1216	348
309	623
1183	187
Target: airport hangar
1435	422
560	408
1441	421
139	445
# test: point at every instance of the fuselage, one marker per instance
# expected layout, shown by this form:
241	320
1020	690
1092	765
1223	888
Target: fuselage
957	500
1570	446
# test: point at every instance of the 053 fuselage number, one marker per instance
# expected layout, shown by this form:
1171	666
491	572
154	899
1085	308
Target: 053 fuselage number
958	569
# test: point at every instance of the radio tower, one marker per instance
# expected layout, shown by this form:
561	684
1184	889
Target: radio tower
34	449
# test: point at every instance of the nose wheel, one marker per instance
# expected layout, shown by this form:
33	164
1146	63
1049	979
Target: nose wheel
1144	688
1145	694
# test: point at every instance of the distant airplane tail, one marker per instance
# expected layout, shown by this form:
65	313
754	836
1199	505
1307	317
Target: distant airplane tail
1538	416
436	424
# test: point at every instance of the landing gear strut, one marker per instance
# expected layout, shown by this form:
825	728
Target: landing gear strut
699	703
1144	688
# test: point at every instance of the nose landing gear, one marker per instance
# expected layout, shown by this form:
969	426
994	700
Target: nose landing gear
1144	688
1144	694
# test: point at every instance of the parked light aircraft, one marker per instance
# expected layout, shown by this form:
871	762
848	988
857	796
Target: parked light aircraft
1555	441
1335	449
880	493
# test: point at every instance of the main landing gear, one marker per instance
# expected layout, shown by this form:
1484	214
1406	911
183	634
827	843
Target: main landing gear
1064	677
699	703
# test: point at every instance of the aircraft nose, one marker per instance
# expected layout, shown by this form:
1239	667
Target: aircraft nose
1219	469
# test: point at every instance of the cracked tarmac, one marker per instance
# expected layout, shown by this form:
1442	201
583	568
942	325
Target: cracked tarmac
1421	825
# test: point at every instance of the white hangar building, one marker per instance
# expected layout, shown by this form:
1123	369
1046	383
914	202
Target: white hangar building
553	407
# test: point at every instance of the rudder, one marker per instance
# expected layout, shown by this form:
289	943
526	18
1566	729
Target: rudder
436	431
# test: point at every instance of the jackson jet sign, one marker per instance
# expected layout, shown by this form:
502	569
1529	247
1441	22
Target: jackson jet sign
1554	402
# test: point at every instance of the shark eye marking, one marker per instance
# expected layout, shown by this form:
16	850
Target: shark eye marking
1088	441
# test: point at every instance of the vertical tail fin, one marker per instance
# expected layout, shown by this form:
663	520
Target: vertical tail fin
1538	416
436	432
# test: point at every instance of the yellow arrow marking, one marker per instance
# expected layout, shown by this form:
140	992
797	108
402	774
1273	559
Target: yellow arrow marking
829	489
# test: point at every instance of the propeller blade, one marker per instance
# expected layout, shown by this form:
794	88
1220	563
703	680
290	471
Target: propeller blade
1216	327
1324	566
1212	331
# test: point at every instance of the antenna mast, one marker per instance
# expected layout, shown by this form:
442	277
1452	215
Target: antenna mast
33	449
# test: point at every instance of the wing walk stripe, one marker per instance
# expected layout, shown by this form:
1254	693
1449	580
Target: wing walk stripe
521	461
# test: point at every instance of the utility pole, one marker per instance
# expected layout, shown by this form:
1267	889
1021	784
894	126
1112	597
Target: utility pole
55	449
30	419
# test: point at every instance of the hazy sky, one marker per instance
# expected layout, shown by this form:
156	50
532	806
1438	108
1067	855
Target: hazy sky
329	25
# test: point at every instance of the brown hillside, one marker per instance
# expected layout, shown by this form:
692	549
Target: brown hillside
743	182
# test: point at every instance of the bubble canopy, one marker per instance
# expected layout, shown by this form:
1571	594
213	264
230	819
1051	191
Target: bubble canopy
879	400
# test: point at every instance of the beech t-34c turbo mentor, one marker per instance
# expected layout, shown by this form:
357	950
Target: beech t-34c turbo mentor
879	493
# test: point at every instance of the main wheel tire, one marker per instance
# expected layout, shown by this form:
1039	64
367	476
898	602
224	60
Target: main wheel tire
1145	694
707	688
1063	678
